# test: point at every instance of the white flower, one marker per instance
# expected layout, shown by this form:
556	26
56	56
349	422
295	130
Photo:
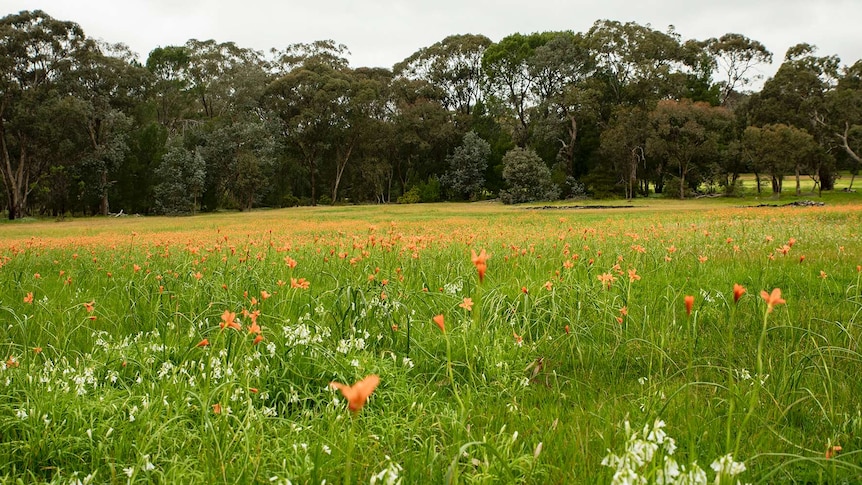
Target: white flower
129	471
725	466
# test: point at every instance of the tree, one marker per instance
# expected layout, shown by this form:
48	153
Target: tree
736	56
842	116
454	65
528	177
181	178
686	134
36	53
466	175
309	103
779	149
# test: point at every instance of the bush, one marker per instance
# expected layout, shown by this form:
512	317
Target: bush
528	176
410	197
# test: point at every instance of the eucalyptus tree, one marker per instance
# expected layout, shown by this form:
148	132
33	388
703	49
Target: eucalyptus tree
736	60
565	91
37	54
109	88
779	150
453	65
309	103
511	80
842	116
796	96
637	64
686	135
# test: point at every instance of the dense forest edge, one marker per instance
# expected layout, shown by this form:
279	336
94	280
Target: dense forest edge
622	110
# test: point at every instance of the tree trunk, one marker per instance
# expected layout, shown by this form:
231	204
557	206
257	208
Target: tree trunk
798	188
103	208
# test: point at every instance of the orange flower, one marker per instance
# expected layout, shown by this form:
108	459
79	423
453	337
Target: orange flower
29	298
203	343
548	285
738	291
772	299
633	275
467	304
480	261
217	408
264	295
566	328
606	278
90	306
832	451
689	303
823	275
439	321
518	338
228	319
37	350
624	311
358	393
301	283
258	339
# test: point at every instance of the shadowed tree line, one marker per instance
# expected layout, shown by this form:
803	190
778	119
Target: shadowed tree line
620	110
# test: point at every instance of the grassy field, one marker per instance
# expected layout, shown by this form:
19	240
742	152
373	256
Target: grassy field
601	345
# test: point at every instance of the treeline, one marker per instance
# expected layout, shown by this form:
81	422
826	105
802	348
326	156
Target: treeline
621	109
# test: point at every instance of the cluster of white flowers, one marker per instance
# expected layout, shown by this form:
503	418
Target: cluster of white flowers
648	458
391	475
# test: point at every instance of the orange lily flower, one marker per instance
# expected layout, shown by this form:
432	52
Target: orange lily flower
467	304
439	321
29	298
203	343
689	303
358	393
772	299
738	291
480	261
228	320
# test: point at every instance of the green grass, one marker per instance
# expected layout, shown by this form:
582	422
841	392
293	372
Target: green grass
535	386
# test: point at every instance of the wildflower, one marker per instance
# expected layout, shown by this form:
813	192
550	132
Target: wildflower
823	275
548	285
725	466
518	338
689	303
738	291
198	275
29	298
480	261
37	350
290	262
524	290
467	304
301	283
203	343
832	451
257	339
566	328
90	306
217	408
633	275
136	268
228	319
607	279
358	393
702	259
772	299
11	362
801	258
439	321
624	311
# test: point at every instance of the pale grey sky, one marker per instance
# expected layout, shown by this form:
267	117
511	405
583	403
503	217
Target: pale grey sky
384	32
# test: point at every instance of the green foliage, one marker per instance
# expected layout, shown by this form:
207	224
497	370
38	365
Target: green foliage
181	178
466	174
528	177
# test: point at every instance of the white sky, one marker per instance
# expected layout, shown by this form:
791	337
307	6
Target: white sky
380	33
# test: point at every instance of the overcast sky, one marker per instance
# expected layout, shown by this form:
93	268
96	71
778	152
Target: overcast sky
380	33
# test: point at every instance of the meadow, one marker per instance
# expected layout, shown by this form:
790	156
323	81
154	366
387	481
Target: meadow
670	342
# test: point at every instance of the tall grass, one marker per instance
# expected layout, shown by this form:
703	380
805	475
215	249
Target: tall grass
577	353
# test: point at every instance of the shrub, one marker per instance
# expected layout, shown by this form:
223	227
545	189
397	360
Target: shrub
528	176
